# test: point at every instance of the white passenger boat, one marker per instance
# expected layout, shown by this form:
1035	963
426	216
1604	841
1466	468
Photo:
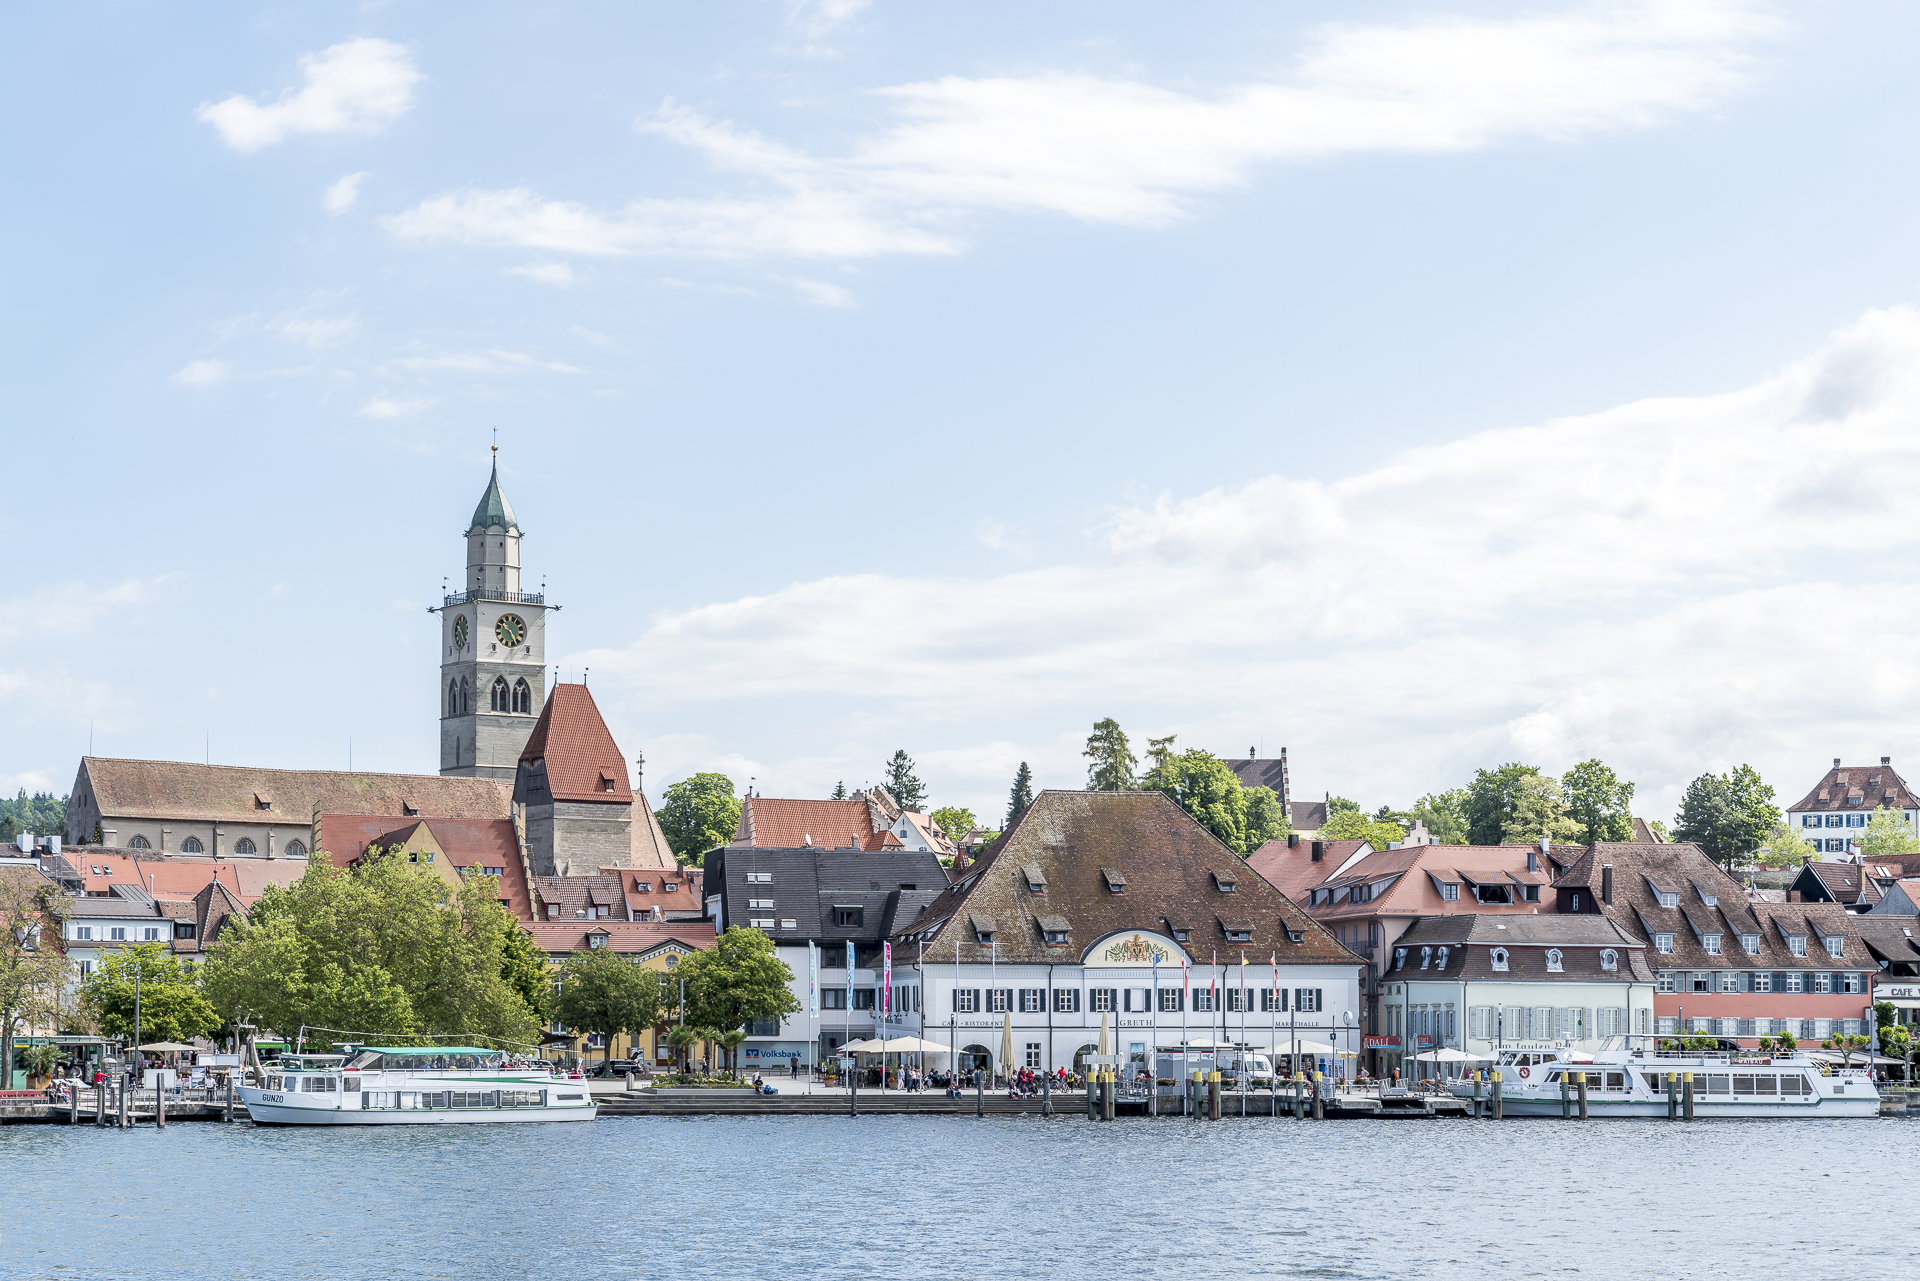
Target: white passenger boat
412	1085
1632	1076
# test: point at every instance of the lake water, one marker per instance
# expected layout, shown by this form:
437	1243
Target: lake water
795	1197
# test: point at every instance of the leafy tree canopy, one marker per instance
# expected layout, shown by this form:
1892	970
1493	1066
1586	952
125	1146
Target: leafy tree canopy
1490	801
604	991
737	980
1352	825
1598	801
1729	816
1159	754
956	822
173	1005
1444	814
1888	834
1786	848
524	966
1266	818
902	782
1341	805
1538	811
1021	796
388	949
1206	787
1113	760
43	814
32	973
698	814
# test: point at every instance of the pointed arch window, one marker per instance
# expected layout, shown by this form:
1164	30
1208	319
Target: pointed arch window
522	697
453	698
498	699
466	697
191	845
246	848
296	849
138	843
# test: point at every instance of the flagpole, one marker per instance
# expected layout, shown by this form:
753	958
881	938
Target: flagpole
1244	994
1273	1035
846	1015
1153	1050
1186	1088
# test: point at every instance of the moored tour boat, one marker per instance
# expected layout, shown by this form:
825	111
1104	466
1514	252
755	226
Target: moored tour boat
412	1085
1630	1076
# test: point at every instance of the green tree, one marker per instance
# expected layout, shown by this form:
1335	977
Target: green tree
42	814
1708	819
32	970
1597	799
840	790
1538	811
1786	848
1888	834
1490	800
1444	815
1352	825
698	814
1021	796
1266	818
173	1005
1204	786
388	948
738	980
1341	805
956	822
1659	829
603	991
1752	802
524	966
1113	760
904	785
1159	756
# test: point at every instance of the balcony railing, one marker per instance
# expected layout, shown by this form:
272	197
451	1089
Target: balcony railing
496	593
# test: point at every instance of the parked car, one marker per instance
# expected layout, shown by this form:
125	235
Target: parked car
614	1067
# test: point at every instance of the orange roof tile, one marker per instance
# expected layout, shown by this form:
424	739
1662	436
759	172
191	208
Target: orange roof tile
573	746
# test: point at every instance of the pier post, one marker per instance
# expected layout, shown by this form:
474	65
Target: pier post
1497	1110
1673	1096
1046	1094
1299	1104
1686	1094
100	1103
123	1102
73	1104
1565	1106
979	1092
853	1091
159	1102
1583	1096
1213	1095
1319	1104
1476	1096
229	1116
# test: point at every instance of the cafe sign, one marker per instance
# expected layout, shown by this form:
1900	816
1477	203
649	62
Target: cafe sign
1380	1042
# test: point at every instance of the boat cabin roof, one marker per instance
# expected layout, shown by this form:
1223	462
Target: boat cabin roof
401	1050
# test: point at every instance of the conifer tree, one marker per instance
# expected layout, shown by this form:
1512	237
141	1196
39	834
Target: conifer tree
1021	796
903	783
1112	756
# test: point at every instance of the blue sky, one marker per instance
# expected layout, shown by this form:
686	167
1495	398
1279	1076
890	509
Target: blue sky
1419	387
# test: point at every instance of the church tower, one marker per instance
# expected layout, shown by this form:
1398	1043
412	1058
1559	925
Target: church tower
493	650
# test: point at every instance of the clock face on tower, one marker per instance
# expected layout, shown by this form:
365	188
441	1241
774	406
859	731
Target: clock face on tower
460	632
510	630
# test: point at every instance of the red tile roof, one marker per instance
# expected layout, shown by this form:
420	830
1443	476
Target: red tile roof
173	876
580	758
563	937
778	823
1862	787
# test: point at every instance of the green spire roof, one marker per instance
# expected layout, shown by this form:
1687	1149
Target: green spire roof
493	509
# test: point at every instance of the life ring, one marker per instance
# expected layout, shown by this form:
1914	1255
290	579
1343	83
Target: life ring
1523	1074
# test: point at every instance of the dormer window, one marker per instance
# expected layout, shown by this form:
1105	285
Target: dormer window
1836	946
1711	900
1296	936
1399	957
1668	898
673	887
1498	957
1426	957
1711	942
606	784
1036	880
1574	902
1116	883
1797	944
1440	959
553	910
642	887
1224	882
1750	944
1663	943
596	940
1609	959
1450	892
1054	931
1556	961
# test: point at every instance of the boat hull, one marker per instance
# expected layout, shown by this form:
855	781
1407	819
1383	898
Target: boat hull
262	1111
1703	1110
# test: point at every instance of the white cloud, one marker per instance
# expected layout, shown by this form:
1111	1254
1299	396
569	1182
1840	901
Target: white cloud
588	335
818	292
1675	585
673	283
396	406
359	86
204	373
1133	154
816	18
1000	537
342	194
480	362
316	332
547	273
71	608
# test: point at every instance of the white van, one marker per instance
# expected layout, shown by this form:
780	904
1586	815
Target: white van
1257	1067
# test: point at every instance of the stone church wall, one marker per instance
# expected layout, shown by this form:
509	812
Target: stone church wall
573	838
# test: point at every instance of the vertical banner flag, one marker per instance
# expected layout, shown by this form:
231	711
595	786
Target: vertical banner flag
849	977
886	983
813	979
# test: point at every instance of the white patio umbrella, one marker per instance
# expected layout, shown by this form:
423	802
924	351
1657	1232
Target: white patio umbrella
1449	1055
1006	1044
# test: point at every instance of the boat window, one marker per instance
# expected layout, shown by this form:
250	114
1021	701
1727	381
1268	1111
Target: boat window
367	1061
1719	1083
1616	1081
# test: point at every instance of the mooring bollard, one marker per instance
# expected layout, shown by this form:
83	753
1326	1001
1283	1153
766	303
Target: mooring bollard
1046	1095
159	1102
1673	1096
1319	1104
1686	1090
1583	1096
229	1115
1476	1096
1498	1110
1112	1093
1299	1103
1566	1105
1213	1095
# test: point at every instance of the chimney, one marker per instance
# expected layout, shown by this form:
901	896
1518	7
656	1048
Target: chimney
1886	760
1285	792
1293	840
1319	848
1836	762
1606	884
1252	755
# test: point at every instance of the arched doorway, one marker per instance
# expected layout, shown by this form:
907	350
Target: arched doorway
1080	1056
975	1058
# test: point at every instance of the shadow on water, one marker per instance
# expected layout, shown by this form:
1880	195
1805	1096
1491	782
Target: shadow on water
938	1197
